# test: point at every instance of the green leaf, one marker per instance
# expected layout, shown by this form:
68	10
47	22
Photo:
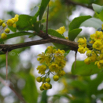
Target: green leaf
97	8
29	92
100	15
93	85
78	84
84	69
16	35
92	22
44	97
76	22
73	33
99	11
12	29
34	11
43	6
27	22
56	34
24	22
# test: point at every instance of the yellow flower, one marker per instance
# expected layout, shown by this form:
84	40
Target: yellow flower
61	30
101	61
61	73
50	49
3	35
7	30
61	63
87	60
98	35
10	22
93	57
82	42
59	54
54	67
46	86
81	50
41	57
101	56
97	45
15	19
89	53
56	77
41	69
48	80
98	64
92	36
3	25
39	79
1	21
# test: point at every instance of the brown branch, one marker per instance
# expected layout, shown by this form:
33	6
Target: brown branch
72	44
10	86
70	2
9	47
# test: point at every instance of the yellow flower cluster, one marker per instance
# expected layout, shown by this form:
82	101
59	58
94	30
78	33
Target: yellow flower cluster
53	61
61	30
95	51
5	24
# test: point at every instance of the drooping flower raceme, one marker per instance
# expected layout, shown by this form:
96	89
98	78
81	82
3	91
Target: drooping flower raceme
53	62
95	50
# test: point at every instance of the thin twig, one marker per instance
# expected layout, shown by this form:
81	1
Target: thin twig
75	59
3	82
10	86
18	95
6	64
47	20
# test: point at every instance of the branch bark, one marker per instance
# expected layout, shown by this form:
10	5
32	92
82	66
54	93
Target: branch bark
9	47
48	39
